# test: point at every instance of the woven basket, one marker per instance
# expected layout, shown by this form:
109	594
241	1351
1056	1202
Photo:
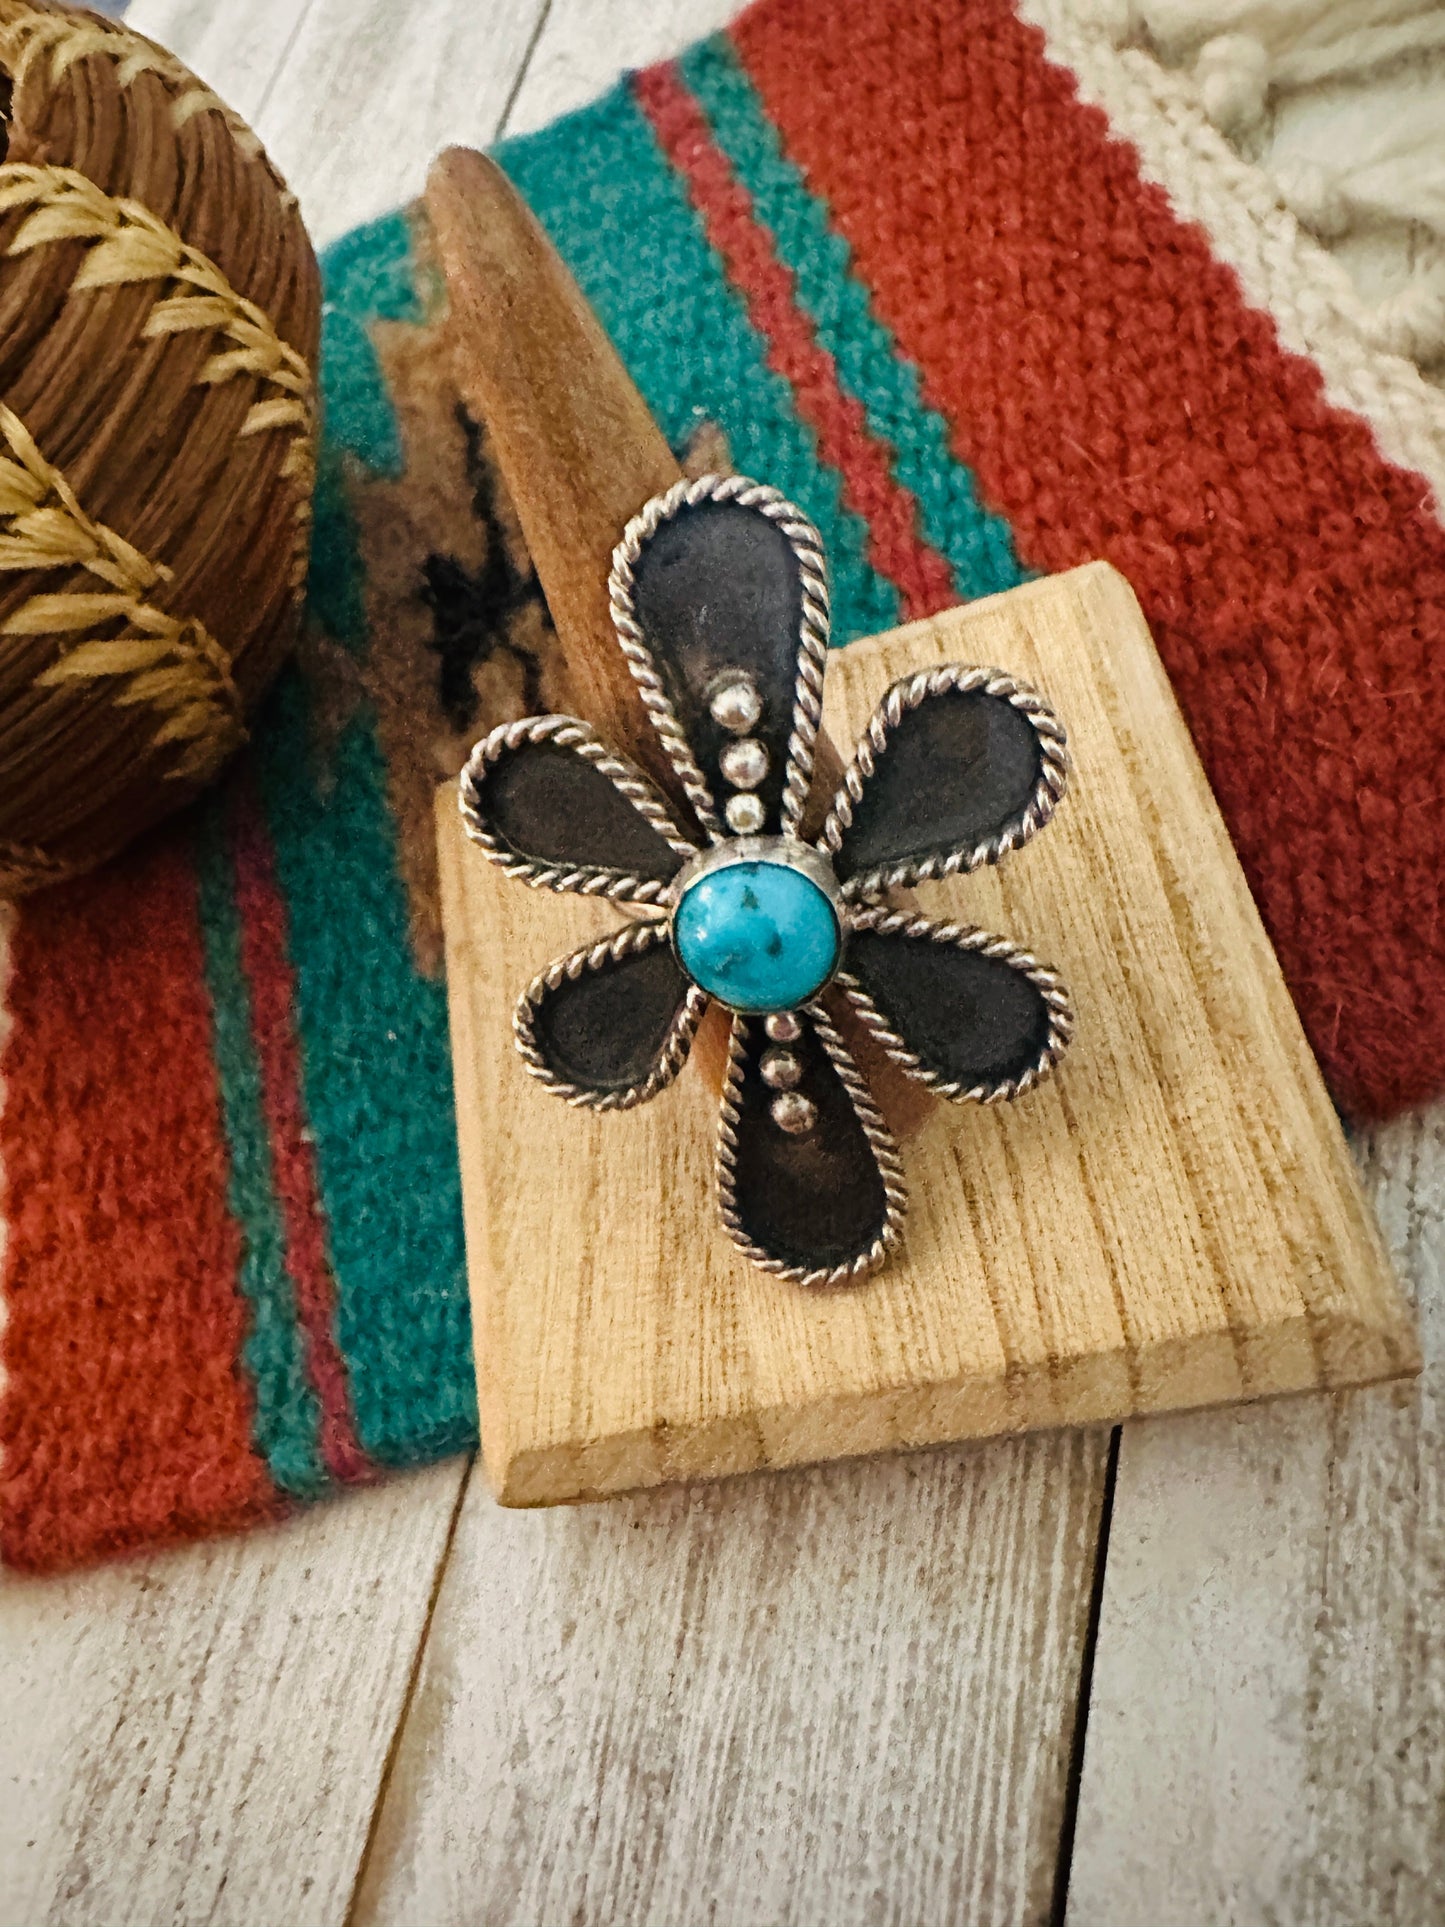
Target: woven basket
159	309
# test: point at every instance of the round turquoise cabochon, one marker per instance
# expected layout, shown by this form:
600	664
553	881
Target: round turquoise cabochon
757	936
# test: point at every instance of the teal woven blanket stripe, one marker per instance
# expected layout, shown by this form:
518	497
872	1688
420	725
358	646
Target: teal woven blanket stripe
978	546
376	1065
621	220
287	1419
378	1090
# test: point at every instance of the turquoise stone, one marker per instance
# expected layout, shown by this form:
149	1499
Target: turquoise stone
757	936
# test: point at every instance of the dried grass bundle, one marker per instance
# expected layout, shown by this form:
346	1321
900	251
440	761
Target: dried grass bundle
159	313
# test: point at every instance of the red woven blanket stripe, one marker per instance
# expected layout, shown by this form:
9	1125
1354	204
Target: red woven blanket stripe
272	981
896	548
1115	396
125	1420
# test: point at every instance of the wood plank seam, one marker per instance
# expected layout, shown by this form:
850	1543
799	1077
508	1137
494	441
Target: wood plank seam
403	1711
282	59
1078	1742
504	119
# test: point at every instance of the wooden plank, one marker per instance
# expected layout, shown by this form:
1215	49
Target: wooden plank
1151	1229
585	45
1263	1738
430	73
201	1735
840	1695
238	51
354	97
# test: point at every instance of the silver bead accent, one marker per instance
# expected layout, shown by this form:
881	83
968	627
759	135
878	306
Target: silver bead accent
780	1070
736	706
783	1027
745	813
794	1113
744	764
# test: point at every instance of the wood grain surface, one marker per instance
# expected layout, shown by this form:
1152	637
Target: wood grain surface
1269	1686
1157	1226
163	1721
842	1695
202	1735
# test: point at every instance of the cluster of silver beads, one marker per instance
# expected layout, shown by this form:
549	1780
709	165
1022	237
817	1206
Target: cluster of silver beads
737	707
782	1071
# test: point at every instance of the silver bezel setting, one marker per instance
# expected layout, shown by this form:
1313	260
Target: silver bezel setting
787	853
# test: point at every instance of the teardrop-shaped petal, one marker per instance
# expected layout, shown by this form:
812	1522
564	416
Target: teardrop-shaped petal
821	1202
612	1024
968	1014
720	586
957	766
554	807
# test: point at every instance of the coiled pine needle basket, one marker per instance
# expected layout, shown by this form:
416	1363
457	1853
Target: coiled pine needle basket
159	312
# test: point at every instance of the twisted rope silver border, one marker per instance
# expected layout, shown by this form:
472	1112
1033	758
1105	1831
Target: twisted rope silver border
807	546
566	732
880	1140
635	939
907	694
894	923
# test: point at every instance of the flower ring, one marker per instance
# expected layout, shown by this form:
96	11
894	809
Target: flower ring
719	596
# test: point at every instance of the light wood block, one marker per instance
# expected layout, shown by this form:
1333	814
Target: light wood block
1172	1221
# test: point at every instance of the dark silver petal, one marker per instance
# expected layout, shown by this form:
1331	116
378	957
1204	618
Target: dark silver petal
554	807
824	1207
958	766
721	580
611	1025
970	1015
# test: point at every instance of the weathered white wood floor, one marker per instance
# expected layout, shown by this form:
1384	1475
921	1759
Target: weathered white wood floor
843	1696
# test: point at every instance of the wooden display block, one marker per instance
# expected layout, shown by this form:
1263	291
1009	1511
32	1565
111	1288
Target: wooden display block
1172	1220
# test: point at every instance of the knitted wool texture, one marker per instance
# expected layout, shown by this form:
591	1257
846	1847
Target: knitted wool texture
915	282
